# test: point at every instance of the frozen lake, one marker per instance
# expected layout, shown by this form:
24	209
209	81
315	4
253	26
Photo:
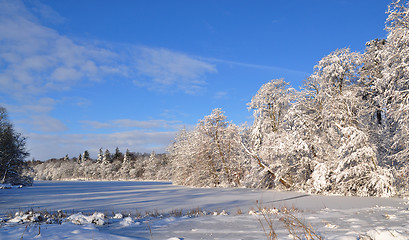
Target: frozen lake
163	196
331	216
131	195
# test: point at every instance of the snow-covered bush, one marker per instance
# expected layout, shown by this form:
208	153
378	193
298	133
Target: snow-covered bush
97	218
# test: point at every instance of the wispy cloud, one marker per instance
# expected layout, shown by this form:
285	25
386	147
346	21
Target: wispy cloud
258	66
167	69
45	12
45	123
220	94
132	124
96	124
35	59
41	105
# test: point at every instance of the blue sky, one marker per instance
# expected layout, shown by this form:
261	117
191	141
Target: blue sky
82	75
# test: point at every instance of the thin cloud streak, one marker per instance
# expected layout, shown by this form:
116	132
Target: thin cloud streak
130	123
250	65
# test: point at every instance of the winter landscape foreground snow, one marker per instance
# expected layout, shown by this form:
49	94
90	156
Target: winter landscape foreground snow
160	210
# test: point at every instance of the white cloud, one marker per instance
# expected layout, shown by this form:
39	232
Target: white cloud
96	124
168	70
62	74
130	123
45	12
140	124
37	59
42	105
45	123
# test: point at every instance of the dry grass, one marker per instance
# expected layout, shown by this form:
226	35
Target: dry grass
296	228
266	221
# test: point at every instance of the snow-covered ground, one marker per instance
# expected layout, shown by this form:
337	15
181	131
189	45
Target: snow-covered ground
225	213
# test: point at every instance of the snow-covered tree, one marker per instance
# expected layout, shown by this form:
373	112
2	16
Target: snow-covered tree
79	160
100	156
85	156
12	153
269	106
151	167
210	154
357	171
394	83
106	159
345	158
127	156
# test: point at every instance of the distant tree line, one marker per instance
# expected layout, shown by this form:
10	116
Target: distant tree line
117	166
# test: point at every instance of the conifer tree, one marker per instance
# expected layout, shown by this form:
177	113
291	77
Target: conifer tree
107	157
126	156
118	155
85	156
100	156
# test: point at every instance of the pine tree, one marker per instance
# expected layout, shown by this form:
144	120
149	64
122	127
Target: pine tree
100	156
107	157
85	156
126	156
118	155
